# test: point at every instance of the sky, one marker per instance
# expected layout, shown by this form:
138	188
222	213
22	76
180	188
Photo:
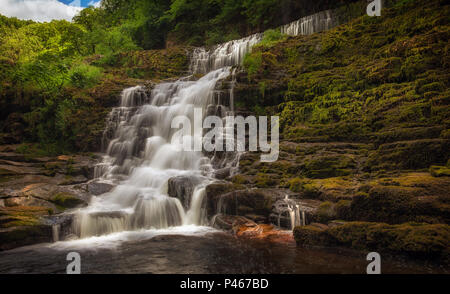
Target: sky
44	10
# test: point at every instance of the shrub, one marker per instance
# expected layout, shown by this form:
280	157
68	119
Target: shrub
84	75
271	38
253	63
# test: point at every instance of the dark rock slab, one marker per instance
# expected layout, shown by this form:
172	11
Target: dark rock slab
182	187
98	188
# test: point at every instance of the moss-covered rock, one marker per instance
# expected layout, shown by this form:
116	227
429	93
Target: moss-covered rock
305	187
24	235
397	204
413	239
440	171
66	200
20	226
326	212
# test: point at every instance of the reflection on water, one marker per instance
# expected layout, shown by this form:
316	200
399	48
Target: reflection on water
198	250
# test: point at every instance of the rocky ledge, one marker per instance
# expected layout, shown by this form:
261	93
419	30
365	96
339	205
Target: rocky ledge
37	192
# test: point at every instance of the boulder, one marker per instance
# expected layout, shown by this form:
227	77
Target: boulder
240	202
98	188
182	187
25	235
230	222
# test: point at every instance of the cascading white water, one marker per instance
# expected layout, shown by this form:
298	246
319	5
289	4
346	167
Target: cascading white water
55	232
222	55
195	215
311	24
296	214
144	153
141	155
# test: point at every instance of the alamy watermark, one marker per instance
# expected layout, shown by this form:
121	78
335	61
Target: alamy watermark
374	8
374	267
220	136
74	267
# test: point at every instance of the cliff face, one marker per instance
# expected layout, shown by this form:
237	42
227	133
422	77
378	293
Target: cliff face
365	122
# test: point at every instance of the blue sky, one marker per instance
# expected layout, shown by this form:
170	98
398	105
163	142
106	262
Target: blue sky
83	3
44	10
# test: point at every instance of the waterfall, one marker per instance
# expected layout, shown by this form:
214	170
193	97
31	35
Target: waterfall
55	232
297	215
195	215
311	24
141	155
223	55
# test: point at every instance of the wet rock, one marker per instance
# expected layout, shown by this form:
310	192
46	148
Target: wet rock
63	224
69	180
256	218
183	188
18	170
229	222
267	233
12	156
240	202
109	214
222	174
26	235
319	226
98	188
30	201
430	240
219	188
234	199
336	223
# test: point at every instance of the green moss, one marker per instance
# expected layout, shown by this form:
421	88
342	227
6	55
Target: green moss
25	235
304	186
310	236
65	200
239	179
21	216
397	204
265	181
343	209
414	239
386	83
217	189
409	154
440	171
326	212
253	63
329	166
271	38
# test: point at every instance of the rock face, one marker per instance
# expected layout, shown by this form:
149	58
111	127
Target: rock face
24	235
428	241
183	188
230	222
241	202
99	188
34	191
258	205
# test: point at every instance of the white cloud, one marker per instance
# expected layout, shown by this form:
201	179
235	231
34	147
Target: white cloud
95	4
38	10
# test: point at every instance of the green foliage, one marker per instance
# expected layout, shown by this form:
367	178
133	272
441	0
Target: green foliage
84	75
271	38
253	63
